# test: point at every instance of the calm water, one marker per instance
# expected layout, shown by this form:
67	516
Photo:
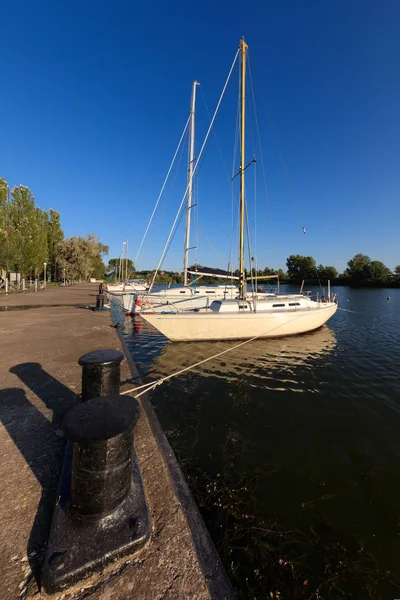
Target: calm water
292	449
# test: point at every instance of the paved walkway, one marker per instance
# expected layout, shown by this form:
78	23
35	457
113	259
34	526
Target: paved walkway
53	296
39	382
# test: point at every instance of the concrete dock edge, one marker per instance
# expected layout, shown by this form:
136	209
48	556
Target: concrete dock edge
214	572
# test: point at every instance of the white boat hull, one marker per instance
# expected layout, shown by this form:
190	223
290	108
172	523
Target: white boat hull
211	325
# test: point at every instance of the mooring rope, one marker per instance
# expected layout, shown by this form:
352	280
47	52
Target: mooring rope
350	311
161	191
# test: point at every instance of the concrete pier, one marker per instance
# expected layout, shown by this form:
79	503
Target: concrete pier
40	381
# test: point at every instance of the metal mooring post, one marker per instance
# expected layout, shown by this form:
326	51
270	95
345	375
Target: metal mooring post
99	301
102	514
101	373
101	468
100	298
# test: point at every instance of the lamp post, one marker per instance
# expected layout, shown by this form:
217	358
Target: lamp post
44	283
64	275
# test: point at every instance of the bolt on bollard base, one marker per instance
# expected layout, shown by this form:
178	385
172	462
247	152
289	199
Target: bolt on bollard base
101	513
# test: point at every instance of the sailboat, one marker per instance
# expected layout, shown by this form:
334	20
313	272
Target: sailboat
247	316
117	289
190	295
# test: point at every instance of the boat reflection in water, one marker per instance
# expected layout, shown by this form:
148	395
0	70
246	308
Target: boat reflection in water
263	359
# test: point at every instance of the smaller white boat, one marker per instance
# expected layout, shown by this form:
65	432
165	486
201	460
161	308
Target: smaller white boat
172	300
118	292
131	286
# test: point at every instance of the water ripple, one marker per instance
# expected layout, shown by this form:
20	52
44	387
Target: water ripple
324	406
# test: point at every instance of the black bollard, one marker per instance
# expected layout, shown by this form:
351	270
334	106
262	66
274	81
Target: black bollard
102	514
102	432
100	302
101	373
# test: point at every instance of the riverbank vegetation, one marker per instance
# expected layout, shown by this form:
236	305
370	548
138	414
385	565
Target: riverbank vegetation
32	241
360	271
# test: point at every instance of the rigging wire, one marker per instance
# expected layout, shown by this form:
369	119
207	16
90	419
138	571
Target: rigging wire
248	246
210	242
234	202
216	138
229	179
285	171
154	230
194	170
262	160
196	215
255	219
162	190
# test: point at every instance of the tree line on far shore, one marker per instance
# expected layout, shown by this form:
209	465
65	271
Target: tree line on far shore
361	271
31	238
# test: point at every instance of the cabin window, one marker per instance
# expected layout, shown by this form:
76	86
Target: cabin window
278	305
182	292
210	291
294	303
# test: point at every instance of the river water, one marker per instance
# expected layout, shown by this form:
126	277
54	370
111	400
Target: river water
292	449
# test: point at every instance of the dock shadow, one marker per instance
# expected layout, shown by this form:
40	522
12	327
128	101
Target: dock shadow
40	442
55	395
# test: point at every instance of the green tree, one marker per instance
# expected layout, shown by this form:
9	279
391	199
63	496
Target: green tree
55	235
96	251
327	273
268	271
358	268
377	271
81	257
113	263
282	275
397	271
28	234
39	250
5	248
72	258
301	267
344	275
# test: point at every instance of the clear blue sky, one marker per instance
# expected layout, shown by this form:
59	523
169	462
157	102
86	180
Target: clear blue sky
95	95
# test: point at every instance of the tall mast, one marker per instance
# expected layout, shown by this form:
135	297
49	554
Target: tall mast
190	185
243	50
